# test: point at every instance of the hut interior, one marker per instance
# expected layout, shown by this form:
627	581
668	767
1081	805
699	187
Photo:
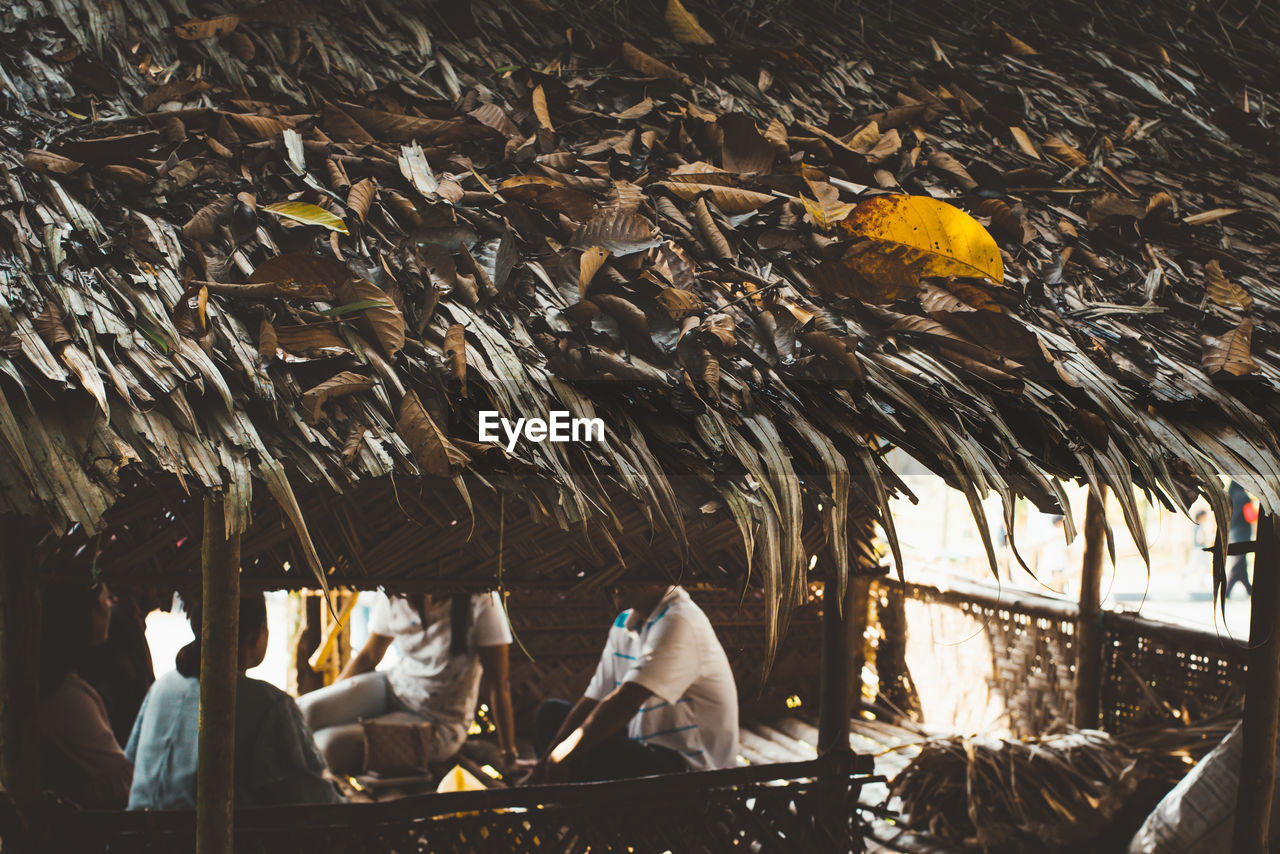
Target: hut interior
264	269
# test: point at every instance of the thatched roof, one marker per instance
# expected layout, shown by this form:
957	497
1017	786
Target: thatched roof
748	380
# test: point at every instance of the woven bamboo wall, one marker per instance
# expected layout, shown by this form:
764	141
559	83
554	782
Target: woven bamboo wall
1152	673
564	639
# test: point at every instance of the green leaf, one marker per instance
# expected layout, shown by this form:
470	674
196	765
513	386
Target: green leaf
308	214
352	307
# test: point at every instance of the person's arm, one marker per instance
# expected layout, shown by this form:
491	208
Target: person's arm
609	716
572	721
496	662
369	656
75	720
286	766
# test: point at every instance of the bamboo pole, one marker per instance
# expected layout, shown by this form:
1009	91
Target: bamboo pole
219	671
19	665
839	624
1261	697
1088	640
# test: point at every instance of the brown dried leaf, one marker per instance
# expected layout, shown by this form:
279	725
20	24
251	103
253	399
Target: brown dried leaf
494	117
267	343
742	147
1229	353
174	90
1223	291
341	126
641	62
620	233
684	25
455	353
1005	219
383	321
1111	206
679	303
539	97
310	340
825	209
1010	43
1023	141
712	237
952	169
46	161
732	200
360	197
841	350
241	46
630	318
720	327
866	273
589	264
49	324
575	204
208	28
301	275
1062	150
636	111
431	449
339	385
396	127
257	127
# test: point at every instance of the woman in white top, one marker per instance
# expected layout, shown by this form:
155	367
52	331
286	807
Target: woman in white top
445	644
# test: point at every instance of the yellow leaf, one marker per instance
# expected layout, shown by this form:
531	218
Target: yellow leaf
684	25
308	214
931	237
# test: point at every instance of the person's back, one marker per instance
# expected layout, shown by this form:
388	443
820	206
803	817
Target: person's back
276	759
695	710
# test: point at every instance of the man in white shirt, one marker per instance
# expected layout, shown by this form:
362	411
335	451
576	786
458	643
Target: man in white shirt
663	699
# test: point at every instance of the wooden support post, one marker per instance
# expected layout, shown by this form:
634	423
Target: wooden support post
839	625
1261	697
219	671
19	664
1088	640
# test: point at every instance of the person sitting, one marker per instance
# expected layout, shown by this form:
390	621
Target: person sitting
662	700
445	647
120	670
276	761
81	760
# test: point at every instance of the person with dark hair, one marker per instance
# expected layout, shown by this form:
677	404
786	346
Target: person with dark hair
276	761
120	670
446	646
663	699
81	759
